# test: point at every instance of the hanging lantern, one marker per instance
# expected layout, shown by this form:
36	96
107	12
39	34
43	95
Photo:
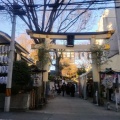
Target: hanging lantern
54	57
82	54
88	56
79	55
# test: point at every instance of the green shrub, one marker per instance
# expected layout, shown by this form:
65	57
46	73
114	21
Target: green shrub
80	71
21	78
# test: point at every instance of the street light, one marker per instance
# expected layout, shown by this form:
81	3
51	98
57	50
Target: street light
16	11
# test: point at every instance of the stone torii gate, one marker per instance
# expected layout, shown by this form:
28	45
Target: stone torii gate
92	36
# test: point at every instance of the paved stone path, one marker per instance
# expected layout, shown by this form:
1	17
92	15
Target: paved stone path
65	108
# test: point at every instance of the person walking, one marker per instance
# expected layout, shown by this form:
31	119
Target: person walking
68	89
58	90
72	90
63	88
53	91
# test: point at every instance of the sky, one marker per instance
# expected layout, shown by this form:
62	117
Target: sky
6	26
92	25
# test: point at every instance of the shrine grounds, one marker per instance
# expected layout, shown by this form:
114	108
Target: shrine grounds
65	108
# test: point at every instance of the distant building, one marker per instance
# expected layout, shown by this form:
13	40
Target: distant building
108	22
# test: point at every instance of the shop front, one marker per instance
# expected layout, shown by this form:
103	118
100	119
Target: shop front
109	84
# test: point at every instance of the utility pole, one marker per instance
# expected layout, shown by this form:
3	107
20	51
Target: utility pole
17	10
10	65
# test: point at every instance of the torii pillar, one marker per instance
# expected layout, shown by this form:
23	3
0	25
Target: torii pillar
45	74
95	72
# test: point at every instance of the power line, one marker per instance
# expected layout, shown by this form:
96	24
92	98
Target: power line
83	3
99	8
72	3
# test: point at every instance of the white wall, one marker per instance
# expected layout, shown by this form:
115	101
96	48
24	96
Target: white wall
113	63
108	22
117	11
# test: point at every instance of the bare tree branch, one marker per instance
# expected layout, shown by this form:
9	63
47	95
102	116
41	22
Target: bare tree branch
43	19
46	20
73	21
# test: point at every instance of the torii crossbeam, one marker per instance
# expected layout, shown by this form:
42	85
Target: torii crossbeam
63	36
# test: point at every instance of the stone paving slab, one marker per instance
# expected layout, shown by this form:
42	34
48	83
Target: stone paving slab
64	108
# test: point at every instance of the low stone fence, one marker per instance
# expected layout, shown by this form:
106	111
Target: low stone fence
18	102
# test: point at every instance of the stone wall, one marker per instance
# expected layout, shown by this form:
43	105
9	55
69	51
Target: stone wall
20	101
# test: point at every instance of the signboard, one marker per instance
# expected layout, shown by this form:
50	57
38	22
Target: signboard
37	79
108	82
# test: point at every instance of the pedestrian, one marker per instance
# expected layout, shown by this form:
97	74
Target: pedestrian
58	90
53	91
68	89
72	90
63	88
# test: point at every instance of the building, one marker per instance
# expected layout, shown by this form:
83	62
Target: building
20	54
108	21
109	68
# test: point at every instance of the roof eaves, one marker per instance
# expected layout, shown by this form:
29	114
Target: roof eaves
8	38
28	60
